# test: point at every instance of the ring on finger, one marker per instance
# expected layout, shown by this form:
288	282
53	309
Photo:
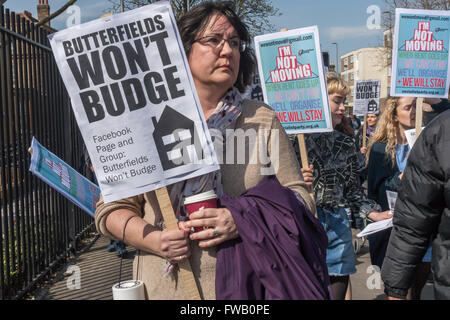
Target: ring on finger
215	232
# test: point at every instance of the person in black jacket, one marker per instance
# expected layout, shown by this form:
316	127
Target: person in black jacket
422	212
387	157
433	108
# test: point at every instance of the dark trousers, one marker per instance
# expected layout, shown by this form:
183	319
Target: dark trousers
378	243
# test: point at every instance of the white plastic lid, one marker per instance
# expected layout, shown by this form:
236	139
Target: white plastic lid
200	197
127	284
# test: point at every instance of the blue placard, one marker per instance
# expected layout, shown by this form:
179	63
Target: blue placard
420	53
62	177
291	69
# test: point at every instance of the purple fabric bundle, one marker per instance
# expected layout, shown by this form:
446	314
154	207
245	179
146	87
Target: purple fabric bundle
281	252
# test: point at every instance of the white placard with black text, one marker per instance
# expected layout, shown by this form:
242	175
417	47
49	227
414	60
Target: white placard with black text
134	100
367	97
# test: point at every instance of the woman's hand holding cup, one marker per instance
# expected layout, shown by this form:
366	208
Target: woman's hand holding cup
218	226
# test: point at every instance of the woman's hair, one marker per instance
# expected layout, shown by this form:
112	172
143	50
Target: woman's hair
195	21
336	84
386	129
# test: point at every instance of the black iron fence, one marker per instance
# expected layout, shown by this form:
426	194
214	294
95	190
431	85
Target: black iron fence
38	227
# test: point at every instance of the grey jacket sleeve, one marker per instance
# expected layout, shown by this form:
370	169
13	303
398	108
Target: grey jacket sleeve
418	211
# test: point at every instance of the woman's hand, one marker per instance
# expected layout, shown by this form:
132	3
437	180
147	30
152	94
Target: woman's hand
363	150
174	245
378	216
400	176
219	226
308	175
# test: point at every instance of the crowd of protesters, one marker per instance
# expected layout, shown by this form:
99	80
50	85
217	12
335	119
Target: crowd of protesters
270	239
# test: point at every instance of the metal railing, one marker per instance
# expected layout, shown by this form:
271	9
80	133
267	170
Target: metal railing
38	226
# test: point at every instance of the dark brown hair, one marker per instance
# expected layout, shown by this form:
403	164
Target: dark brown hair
345	127
195	22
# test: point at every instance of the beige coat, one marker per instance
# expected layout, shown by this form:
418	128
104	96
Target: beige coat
236	178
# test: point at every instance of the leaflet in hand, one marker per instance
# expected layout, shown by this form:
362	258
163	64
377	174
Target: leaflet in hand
375	227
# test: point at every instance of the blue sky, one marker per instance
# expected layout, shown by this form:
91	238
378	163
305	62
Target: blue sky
344	21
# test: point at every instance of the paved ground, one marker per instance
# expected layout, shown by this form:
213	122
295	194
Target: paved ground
99	271
367	284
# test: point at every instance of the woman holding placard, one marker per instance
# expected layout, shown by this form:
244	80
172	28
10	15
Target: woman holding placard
334	173
371	122
221	61
362	140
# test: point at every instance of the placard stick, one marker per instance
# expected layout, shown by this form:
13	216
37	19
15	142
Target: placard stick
304	156
303	153
419	104
364	131
186	276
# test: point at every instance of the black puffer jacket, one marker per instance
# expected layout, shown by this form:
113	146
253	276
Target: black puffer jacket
422	212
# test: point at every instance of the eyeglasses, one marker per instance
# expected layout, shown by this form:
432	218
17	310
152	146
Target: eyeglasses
217	43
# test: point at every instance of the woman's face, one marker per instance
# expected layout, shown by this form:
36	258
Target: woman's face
406	113
214	62
337	107
372	119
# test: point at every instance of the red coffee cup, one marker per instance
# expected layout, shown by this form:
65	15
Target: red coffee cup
206	199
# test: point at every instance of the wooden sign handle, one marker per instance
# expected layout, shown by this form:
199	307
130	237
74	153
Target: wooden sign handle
419	107
186	275
364	131
304	156
303	153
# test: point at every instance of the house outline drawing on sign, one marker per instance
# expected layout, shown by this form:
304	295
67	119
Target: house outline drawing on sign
372	106
176	139
256	92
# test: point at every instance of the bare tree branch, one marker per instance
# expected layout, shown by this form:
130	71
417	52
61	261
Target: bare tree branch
57	13
255	13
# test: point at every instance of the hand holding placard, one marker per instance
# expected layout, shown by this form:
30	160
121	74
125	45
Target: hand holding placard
186	274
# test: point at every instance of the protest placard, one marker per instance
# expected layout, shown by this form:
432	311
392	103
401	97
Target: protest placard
420	59
135	101
254	90
291	70
63	178
367	97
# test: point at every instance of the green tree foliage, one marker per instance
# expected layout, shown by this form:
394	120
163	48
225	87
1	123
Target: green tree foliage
255	13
